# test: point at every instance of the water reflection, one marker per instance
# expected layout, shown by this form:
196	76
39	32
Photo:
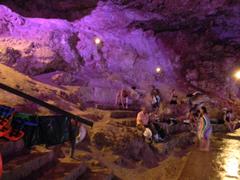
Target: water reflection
231	166
229	155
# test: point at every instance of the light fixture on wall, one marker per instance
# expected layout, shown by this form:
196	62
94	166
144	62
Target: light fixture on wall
158	73
97	41
158	70
237	75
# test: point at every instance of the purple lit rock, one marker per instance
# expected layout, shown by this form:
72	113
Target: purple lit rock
195	44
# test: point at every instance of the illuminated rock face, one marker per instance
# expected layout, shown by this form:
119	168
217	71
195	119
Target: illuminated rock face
36	46
124	57
196	44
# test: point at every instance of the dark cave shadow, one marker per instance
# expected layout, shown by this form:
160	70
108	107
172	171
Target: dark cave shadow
50	9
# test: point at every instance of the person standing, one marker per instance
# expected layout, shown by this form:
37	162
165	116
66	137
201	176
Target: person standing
156	98
204	129
174	102
123	96
229	120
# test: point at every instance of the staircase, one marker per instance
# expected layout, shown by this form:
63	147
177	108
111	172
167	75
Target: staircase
37	163
41	163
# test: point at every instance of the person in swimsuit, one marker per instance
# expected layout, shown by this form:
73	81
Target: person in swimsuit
229	120
204	129
174	97
174	102
123	96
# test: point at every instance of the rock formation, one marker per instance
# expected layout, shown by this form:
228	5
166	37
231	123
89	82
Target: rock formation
196	44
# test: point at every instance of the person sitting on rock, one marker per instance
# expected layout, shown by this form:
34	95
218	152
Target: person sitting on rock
155	94
229	120
143	122
142	119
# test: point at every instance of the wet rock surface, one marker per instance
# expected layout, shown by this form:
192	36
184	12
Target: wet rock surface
220	163
129	143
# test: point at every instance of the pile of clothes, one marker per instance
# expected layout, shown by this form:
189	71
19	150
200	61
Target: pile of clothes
49	130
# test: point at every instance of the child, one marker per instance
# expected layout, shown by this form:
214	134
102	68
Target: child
204	129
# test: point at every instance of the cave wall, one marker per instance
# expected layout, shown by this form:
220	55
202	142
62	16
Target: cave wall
196	43
64	9
126	56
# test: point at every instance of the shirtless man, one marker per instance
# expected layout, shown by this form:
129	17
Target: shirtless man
143	123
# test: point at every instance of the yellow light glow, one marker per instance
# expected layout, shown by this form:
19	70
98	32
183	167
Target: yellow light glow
228	158
237	74
158	70
97	40
231	166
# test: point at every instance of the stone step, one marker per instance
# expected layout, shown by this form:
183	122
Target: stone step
131	122
23	165
98	174
112	108
8	148
173	129
64	170
123	114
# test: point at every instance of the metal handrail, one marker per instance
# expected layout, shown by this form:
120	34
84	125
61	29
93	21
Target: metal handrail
44	104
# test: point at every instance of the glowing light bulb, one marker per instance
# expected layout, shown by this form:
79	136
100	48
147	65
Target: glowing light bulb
97	40
158	70
237	74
